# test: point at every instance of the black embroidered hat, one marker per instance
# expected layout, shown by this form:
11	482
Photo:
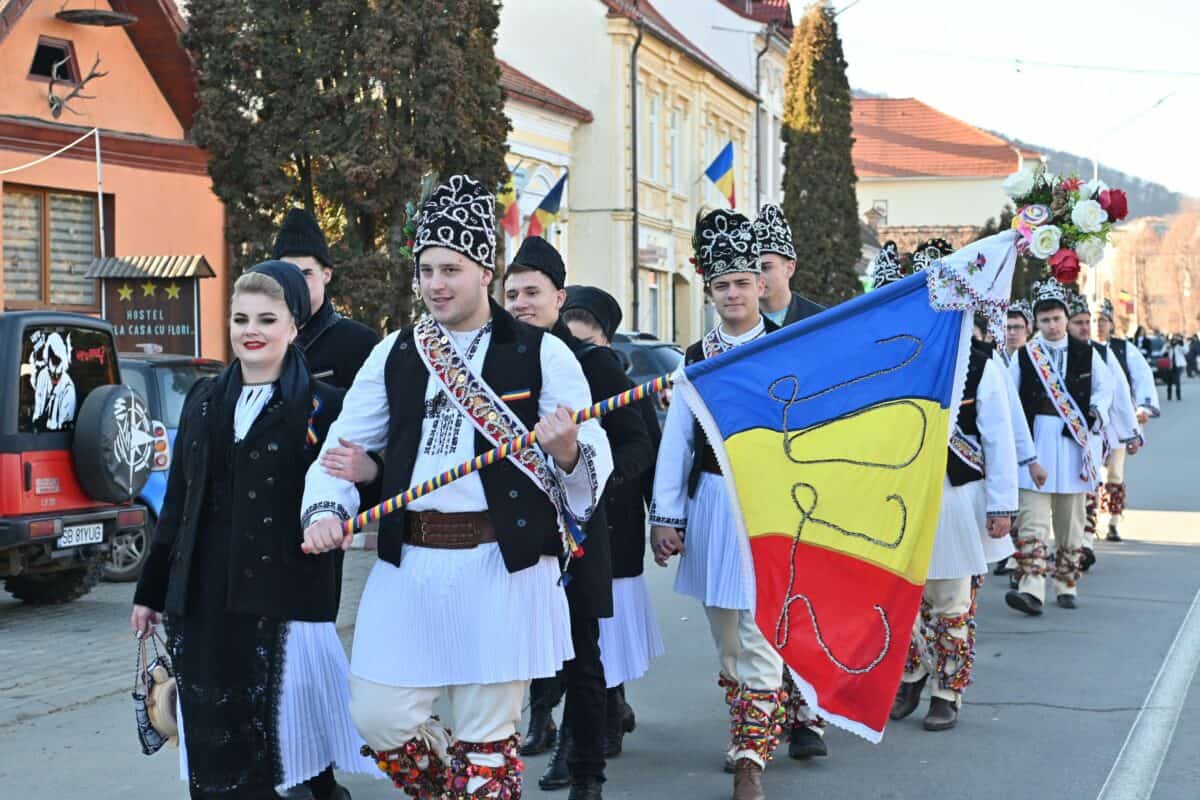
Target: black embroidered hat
538	254
1106	310
300	235
928	252
773	234
724	243
1022	308
885	268
1077	304
1050	293
597	302
459	215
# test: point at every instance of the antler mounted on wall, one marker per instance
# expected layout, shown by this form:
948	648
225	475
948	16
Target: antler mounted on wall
57	104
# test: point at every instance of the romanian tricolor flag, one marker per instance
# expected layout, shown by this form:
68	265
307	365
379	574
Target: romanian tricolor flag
510	211
1127	301
547	211
832	434
720	172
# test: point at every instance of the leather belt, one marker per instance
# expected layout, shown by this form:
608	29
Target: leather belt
710	462
457	531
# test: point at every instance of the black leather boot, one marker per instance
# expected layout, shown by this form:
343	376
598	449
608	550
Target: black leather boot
543	733
586	789
614	724
557	774
942	716
804	742
908	697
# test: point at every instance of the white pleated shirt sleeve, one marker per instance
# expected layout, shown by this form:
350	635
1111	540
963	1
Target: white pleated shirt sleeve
675	455
364	421
1123	425
1026	450
1102	388
1145	390
563	384
996	428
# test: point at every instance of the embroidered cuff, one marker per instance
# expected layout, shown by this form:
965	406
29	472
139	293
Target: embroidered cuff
323	509
668	522
587	460
1137	437
1012	513
1026	462
1150	409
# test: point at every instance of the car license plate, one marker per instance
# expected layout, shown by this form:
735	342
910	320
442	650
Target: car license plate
76	535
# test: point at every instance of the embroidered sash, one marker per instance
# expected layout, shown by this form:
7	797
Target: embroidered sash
1066	407
713	343
967	451
491	417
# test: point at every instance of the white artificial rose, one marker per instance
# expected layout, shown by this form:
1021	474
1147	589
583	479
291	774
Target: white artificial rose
1018	184
1090	250
1091	189
1089	216
1045	241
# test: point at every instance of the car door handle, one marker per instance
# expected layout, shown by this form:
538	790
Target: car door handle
28	476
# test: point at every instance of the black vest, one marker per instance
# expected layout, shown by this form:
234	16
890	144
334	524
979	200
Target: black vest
1118	348
524	518
957	470
1078	380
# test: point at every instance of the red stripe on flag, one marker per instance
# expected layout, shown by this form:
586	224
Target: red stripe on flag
842	591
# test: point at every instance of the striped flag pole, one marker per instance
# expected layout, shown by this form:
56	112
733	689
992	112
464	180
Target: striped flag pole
506	449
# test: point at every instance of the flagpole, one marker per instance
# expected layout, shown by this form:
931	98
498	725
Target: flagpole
503	451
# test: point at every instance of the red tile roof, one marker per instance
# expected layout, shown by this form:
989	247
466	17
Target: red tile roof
663	29
777	11
904	138
520	86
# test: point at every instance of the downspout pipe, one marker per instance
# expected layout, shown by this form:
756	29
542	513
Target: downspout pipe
633	134
768	32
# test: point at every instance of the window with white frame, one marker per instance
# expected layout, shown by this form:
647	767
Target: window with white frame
655	134
674	152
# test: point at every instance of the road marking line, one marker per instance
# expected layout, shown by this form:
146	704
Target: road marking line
1135	772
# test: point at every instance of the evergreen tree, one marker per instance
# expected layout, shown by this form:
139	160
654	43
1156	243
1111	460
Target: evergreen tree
343	106
818	192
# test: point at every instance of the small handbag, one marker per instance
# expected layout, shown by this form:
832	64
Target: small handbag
154	698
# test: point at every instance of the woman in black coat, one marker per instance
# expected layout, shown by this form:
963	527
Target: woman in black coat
262	676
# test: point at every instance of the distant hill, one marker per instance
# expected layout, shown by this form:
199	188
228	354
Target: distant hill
1146	198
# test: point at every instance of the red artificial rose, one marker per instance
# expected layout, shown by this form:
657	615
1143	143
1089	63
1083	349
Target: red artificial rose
1115	203
1071	184
1065	265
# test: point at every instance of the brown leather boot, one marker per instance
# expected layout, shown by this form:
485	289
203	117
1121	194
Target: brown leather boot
908	697
942	716
747	780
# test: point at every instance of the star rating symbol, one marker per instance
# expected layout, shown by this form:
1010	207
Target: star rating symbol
172	291
147	289
125	292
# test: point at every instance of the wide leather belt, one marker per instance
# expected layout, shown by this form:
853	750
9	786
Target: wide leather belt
460	531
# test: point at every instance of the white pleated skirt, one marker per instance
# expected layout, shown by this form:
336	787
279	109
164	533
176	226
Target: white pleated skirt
715	568
458	617
314	726
630	639
962	547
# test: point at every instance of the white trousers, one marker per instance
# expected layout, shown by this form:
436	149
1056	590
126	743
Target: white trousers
1114	472
942	598
1052	517
389	716
744	653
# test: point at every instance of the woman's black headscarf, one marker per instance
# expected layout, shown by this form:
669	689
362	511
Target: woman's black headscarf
295	289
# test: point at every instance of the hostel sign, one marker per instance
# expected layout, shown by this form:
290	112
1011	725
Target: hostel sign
152	312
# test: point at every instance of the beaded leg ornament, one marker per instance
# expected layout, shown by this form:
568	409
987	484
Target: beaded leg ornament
1067	565
1091	515
796	711
955	655
1031	557
1112	498
760	722
413	768
501	782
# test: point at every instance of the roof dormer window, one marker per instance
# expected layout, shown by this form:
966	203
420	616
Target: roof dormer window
51	52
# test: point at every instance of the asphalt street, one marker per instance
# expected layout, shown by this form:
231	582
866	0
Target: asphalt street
1054	699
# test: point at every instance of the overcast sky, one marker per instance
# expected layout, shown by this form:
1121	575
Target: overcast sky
960	57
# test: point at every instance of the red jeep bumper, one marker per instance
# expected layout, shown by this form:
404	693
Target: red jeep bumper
39	540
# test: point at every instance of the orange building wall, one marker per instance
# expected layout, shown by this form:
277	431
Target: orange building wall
156	213
127	98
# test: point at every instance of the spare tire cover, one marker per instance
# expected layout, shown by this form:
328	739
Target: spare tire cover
114	444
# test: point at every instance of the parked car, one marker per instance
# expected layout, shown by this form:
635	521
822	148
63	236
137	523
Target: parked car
163	382
646	357
76	448
1155	349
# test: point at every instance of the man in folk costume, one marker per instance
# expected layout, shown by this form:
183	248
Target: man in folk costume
534	293
474	563
1066	392
335	347
1018	326
777	257
692	515
1121	356
1122	432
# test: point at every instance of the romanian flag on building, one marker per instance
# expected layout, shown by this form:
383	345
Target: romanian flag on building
832	434
1127	301
547	211
720	172
510	211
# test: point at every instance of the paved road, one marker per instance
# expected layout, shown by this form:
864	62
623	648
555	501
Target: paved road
1053	702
